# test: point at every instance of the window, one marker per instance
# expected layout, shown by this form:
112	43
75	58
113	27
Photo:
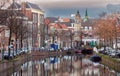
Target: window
35	17
72	25
90	28
41	18
86	28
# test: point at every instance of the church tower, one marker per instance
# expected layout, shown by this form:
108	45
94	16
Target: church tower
77	18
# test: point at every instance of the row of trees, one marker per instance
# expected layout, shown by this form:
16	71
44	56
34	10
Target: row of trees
16	23
108	31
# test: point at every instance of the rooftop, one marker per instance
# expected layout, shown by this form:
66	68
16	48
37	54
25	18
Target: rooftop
16	5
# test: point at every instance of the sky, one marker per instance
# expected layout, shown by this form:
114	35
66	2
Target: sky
67	7
74	3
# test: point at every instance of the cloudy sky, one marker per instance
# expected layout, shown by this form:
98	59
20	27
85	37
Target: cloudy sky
66	7
74	3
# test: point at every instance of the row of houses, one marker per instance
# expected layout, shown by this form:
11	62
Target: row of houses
31	17
71	32
38	31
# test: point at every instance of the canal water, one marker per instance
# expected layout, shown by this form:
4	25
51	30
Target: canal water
75	65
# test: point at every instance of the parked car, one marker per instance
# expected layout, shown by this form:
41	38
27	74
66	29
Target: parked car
112	54
115	54
118	55
22	52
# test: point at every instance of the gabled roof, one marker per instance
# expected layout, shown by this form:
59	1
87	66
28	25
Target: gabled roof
63	26
31	5
14	5
54	25
58	26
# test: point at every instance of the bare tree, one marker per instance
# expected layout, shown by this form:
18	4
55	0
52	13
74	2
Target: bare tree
106	31
10	24
3	2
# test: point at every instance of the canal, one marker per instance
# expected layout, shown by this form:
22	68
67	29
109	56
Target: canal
67	65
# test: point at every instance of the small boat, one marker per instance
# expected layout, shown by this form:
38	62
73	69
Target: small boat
95	58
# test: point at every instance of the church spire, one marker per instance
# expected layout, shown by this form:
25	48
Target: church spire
86	16
77	12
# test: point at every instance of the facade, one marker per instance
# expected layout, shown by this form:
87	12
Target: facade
13	23
3	37
88	36
36	16
33	20
56	34
61	32
83	30
77	30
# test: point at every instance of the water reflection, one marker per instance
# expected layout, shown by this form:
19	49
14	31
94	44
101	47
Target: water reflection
76	65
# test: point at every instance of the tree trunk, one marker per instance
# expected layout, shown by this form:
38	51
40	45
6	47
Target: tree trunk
71	40
16	45
9	49
21	45
21	42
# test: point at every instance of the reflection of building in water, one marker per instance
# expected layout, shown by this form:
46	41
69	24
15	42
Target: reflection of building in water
63	66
